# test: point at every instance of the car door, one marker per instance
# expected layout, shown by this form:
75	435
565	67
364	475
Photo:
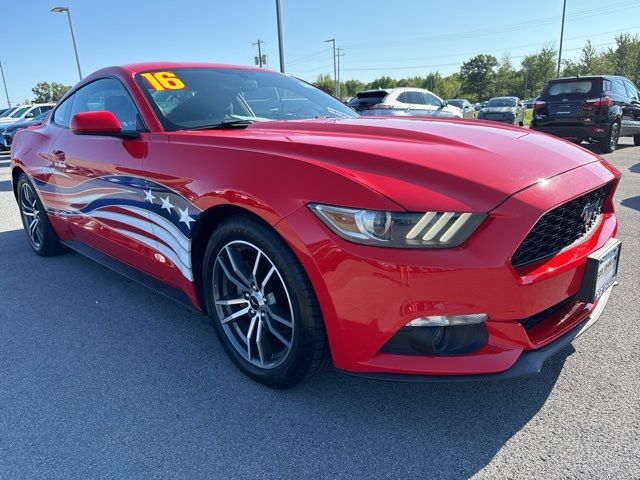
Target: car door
101	193
633	108
414	104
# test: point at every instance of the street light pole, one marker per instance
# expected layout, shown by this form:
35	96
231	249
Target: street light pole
280	41
73	36
4	82
335	67
564	10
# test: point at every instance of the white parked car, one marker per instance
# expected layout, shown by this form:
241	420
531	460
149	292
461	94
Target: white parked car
402	102
26	112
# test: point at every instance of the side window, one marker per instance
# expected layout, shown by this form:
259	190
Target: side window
107	94
46	108
618	87
402	98
34	113
61	116
414	97
431	99
632	90
607	86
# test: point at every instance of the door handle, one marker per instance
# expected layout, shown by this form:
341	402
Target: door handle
59	159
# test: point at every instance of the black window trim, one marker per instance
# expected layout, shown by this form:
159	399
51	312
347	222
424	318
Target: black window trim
72	93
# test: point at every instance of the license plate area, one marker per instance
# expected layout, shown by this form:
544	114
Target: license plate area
601	271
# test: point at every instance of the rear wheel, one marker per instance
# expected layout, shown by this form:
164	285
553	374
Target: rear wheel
42	238
264	310
609	143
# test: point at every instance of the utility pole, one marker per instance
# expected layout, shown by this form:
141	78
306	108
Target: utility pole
4	82
338	55
280	41
564	10
260	59
335	66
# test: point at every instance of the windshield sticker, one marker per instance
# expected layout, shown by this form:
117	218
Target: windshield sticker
160	81
337	113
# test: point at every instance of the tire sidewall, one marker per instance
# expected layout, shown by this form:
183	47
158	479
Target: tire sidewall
22	180
247	229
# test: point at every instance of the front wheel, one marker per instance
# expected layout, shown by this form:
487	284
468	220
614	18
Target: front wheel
262	305
609	143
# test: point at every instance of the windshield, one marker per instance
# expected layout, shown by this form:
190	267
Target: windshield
18	113
455	103
188	98
502	102
8	112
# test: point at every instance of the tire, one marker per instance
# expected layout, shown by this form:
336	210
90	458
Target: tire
609	143
40	233
636	140
279	339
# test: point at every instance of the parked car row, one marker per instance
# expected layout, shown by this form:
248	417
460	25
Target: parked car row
7	132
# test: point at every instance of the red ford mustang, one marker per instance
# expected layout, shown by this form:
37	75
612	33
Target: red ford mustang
420	249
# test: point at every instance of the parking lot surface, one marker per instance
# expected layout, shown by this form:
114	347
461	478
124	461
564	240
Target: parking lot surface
103	378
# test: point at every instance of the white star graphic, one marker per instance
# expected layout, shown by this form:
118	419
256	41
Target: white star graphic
166	204
148	196
185	218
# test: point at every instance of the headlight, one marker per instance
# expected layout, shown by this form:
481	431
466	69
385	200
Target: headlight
399	229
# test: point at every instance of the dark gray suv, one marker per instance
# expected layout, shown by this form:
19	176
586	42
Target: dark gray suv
598	109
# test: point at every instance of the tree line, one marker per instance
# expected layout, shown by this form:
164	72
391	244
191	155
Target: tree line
484	76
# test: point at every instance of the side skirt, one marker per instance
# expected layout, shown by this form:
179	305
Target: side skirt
130	273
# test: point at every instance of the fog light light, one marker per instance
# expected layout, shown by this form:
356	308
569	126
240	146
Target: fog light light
448	320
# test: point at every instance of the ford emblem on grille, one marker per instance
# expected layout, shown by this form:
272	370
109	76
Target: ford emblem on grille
589	212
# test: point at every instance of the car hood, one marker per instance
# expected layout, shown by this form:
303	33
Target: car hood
420	164
499	109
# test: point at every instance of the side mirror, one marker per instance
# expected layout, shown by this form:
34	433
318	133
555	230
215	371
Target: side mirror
29	115
99	123
444	104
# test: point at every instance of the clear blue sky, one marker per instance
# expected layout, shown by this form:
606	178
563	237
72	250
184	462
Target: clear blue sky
378	37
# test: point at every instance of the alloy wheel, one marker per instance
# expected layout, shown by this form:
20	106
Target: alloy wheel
615	134
253	304
31	215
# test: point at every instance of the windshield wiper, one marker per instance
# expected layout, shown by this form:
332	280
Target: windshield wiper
225	124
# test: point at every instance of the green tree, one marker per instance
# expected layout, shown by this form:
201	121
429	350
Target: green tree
326	84
383	82
625	58
351	87
449	87
46	92
478	76
507	79
538	68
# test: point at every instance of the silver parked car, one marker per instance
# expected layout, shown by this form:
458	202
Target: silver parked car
468	110
503	109
407	102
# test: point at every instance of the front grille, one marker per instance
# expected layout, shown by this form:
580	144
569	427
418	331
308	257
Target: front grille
561	228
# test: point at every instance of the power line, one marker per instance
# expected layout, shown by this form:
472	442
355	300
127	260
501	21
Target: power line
502	29
452	64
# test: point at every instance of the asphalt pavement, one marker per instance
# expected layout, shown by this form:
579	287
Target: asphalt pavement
102	378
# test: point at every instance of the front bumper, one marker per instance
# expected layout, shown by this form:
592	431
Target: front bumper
499	117
368	294
529	363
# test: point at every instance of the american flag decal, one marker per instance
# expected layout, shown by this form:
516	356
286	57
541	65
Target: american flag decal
145	211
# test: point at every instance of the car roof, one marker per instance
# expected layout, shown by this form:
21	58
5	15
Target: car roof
509	97
586	77
146	66
374	90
